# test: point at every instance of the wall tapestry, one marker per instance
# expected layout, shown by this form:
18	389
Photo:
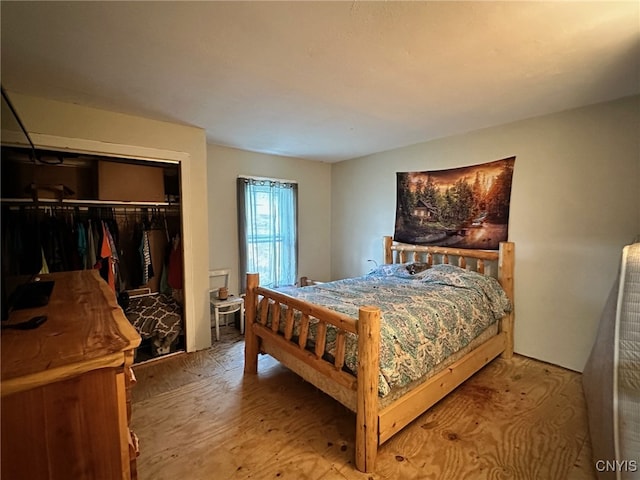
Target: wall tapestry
465	207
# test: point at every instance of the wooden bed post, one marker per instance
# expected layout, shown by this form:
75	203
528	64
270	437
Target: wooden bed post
505	277
367	406
388	254
250	338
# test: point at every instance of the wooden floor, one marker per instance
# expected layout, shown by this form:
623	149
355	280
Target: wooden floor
198	417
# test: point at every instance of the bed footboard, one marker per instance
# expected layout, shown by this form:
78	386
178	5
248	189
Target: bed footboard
359	394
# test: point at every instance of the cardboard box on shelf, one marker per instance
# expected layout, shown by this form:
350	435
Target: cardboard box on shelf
130	182
22	180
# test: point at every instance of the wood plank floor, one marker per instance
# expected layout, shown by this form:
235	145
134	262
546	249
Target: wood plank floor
198	417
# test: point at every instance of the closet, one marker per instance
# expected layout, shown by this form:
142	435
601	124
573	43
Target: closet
63	211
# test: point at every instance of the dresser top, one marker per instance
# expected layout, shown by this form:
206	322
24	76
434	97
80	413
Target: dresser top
85	329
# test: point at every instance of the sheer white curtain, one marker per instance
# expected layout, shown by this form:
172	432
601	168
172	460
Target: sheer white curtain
268	231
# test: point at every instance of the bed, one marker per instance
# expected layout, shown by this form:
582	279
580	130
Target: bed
316	337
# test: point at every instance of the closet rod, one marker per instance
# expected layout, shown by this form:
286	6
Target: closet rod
98	203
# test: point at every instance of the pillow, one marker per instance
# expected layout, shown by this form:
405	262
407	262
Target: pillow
444	274
452	275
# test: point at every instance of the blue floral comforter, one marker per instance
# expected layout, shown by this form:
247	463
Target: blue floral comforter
425	317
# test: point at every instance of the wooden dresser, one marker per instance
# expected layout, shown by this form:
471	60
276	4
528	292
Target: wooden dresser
65	386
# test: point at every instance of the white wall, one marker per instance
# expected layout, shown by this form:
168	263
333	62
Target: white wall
314	207
575	202
110	132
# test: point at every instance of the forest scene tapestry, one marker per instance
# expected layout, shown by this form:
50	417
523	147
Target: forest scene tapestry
465	207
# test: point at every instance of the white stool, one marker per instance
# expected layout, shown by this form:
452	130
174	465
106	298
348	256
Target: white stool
225	307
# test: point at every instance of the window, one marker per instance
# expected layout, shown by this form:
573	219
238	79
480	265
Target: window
268	230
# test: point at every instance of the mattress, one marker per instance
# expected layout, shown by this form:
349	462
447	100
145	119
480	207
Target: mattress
626	380
425	317
611	377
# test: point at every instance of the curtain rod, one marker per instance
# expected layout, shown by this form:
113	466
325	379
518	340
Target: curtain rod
267	179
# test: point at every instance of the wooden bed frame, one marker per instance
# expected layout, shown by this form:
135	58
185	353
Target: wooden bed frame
375	424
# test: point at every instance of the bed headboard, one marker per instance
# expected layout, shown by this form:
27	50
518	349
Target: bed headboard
487	262
498	264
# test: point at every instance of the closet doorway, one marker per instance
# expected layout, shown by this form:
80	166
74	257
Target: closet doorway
120	215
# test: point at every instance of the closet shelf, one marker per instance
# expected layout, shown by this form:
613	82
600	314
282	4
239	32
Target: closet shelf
103	203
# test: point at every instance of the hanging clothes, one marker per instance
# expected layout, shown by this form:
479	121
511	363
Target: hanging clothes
107	253
53	243
37	238
21	239
174	276
45	267
113	236
81	235
145	256
158	245
164	286
91	246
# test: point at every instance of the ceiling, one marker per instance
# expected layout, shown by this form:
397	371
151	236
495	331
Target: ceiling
324	80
